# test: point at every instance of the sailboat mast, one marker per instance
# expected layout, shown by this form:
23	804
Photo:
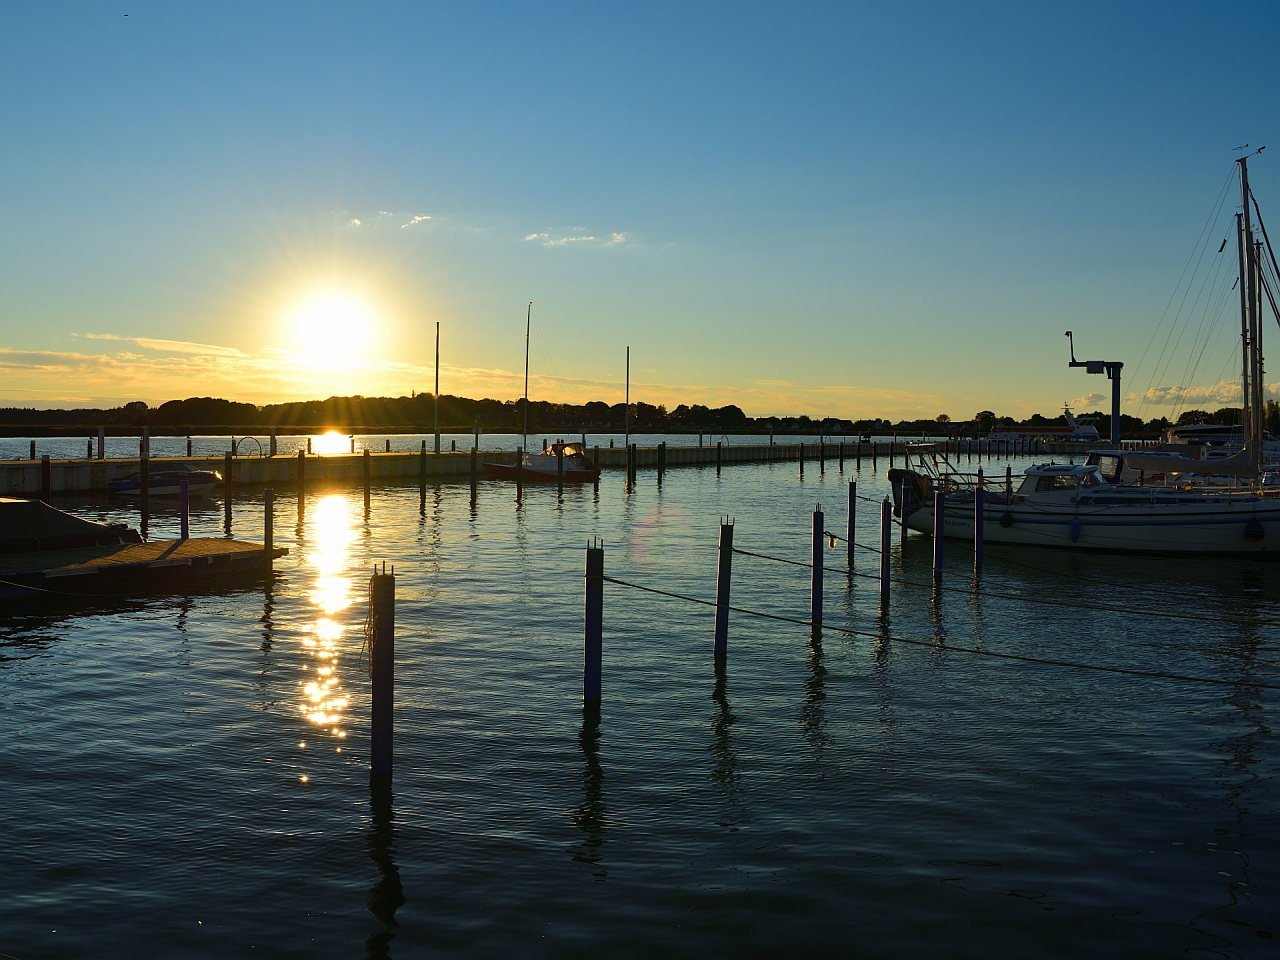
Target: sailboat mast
626	404
1245	393
524	441
1250	281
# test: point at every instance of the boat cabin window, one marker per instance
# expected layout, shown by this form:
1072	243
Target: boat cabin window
1110	467
1066	481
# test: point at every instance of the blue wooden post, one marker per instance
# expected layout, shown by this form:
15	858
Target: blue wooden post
849	523
724	571
594	624
381	638
519	471
886	537
184	508
815	572
977	521
939	511
802	461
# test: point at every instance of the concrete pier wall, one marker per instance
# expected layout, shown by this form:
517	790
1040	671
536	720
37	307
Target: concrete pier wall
22	477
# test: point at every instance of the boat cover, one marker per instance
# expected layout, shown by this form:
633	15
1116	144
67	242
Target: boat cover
1233	466
27	525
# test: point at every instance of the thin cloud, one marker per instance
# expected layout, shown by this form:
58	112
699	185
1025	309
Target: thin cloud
415	221
1224	393
579	237
172	346
1088	400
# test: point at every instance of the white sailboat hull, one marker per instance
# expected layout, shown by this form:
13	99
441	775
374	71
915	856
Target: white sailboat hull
1223	528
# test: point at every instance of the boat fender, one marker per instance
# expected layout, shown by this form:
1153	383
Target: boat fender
1253	531
1006	519
1075	529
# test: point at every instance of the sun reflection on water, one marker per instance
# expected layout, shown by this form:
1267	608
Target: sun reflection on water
323	700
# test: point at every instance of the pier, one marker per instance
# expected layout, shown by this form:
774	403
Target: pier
40	476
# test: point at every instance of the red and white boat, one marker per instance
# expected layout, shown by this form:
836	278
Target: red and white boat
545	466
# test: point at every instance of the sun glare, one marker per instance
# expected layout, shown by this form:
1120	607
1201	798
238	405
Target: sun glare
332	329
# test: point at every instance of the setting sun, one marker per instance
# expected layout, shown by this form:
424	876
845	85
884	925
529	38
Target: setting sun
332	329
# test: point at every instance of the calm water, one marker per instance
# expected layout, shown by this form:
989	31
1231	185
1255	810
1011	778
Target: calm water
188	777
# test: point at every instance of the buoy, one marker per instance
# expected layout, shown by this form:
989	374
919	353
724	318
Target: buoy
1075	529
1253	531
1006	519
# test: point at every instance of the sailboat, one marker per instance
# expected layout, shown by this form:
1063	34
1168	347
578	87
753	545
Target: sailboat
559	463
1175	505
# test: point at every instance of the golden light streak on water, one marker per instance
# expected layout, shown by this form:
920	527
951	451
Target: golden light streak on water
331	533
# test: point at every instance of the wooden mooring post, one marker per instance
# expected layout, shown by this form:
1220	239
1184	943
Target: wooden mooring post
905	507
46	478
815	571
228	482
102	443
302	472
593	618
184	509
886	537
380	636
475	467
144	491
724	573
719	456
939	516
268	524
978	522
519	473
822	457
801	458
849	522
368	471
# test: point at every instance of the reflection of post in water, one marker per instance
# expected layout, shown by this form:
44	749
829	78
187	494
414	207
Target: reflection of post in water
387	895
726	768
813	714
590	815
302	513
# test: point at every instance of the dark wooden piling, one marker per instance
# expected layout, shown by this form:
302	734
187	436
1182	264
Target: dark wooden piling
388	450
849	522
102	443
33	449
380	635
475	468
886	538
184	509
815	566
144	489
227	484
822	457
905	507
302	472
593	609
519	472
939	511
841	455
874	458
978	494
858	461
367	463
188	446
88	450
46	478
719	457
560	469
801	458
595	463
724	574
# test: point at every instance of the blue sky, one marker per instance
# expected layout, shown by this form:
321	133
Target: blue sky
852	210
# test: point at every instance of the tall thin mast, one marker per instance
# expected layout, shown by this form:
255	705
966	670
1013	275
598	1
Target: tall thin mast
627	404
1246	394
1259	381
524	442
437	394
1250	280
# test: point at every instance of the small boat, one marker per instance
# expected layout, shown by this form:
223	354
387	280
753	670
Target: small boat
545	466
168	483
1076	429
571	457
31	525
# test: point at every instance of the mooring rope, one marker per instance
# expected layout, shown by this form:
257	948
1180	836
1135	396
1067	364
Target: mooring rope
1101	608
942	645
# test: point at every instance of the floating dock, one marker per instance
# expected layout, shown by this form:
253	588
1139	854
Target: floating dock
129	569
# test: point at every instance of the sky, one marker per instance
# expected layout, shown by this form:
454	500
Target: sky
851	210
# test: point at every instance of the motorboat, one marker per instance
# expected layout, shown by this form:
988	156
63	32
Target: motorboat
1074	506
1076	429
168	483
546	466
30	525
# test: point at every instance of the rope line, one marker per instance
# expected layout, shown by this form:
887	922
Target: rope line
1101	608
941	645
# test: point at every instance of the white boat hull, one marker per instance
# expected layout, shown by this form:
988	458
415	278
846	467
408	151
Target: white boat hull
1155	528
